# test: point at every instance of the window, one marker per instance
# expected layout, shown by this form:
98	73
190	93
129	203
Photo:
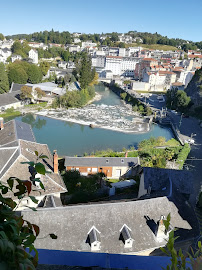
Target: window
94	170
89	169
77	169
72	169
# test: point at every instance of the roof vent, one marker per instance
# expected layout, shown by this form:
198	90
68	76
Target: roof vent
122	160
125	236
107	160
94	239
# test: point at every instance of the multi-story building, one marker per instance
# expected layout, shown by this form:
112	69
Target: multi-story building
33	55
113	63
98	61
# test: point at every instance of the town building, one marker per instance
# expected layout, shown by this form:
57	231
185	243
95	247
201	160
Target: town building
112	167
17	147
33	55
15	57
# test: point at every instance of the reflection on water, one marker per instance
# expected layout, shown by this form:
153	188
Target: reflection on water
75	139
34	121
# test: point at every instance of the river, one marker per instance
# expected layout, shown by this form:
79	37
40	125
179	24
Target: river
76	139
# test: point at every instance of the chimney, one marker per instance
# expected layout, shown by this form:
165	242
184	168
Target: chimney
1	123
161	234
55	161
126	154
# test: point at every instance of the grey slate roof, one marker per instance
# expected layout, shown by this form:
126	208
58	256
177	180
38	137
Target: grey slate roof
101	161
158	179
17	144
16	87
7	98
72	223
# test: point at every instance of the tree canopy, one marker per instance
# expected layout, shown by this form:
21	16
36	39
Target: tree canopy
4	84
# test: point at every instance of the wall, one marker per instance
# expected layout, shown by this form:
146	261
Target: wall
106	170
105	260
14	105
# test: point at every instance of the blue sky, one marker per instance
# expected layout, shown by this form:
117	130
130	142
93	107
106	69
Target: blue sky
174	18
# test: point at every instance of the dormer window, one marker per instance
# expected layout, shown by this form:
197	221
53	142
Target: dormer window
125	236
94	239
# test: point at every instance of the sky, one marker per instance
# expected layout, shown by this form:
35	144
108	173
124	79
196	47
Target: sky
172	18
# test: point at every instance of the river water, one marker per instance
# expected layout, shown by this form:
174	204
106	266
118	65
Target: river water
76	139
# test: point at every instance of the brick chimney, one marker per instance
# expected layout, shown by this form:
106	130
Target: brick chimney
55	161
126	154
1	123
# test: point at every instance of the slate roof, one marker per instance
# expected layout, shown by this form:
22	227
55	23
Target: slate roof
17	144
16	87
101	161
158	179
7	98
71	224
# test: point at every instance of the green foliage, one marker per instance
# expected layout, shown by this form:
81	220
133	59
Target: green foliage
123	96
74	98
10	113
20	48
22	72
34	74
179	259
26	92
1	36
182	156
4	84
17	234
17	74
44	66
177	99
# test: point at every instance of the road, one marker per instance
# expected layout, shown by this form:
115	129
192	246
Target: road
190	126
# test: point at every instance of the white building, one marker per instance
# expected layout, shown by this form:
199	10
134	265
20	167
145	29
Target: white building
88	43
98	61
77	40
113	63
74	48
4	54
62	64
128	65
33	54
15	57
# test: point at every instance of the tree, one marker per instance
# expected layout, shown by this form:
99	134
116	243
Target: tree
122	45
44	66
4	84
26	92
39	92
85	71
34	74
1	36
17	75
182	100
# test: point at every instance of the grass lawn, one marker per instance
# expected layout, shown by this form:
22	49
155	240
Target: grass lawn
7	114
42	104
113	180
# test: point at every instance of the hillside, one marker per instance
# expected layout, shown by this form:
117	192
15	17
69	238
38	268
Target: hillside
194	90
159	47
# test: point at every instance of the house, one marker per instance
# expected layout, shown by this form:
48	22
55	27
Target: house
15	57
133	227
10	100
17	145
62	64
33	55
4	54
112	167
156	182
